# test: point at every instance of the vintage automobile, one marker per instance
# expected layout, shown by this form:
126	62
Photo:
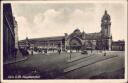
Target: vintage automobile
84	52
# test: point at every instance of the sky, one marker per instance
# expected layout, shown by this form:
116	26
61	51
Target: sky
36	20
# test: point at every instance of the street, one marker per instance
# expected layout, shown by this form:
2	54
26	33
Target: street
55	66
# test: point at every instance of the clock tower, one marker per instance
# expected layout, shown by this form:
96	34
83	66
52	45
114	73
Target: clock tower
105	30
105	25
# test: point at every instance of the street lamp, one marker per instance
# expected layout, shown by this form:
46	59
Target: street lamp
70	51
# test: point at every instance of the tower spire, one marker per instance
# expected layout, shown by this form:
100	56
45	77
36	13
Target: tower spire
105	11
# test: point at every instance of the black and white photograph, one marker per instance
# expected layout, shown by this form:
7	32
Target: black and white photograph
50	40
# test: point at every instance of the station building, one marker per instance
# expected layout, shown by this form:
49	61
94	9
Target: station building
76	40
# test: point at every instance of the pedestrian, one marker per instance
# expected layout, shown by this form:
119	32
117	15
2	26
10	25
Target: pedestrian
26	52
105	54
45	51
59	51
32	52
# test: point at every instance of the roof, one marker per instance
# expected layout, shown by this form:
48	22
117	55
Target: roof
32	40
92	36
49	38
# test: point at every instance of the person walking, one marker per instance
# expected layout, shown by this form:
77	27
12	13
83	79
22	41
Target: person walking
59	51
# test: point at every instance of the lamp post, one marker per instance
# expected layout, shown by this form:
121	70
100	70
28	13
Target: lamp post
70	51
91	47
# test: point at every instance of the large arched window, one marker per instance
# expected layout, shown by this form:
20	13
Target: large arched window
75	43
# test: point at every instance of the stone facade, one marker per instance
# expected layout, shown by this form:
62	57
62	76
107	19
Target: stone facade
100	41
44	43
118	45
8	33
77	40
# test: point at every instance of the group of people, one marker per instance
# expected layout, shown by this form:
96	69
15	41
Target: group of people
44	51
24	51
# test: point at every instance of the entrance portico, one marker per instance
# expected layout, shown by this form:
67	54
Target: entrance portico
75	43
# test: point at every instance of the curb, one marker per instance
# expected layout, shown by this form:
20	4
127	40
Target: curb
25	58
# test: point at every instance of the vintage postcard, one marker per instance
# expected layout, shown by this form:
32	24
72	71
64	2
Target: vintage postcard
77	41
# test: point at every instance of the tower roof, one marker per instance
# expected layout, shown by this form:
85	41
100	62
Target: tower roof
105	12
106	16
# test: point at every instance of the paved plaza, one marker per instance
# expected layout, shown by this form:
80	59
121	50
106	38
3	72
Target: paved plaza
70	66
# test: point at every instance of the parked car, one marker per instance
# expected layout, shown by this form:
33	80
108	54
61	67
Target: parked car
84	52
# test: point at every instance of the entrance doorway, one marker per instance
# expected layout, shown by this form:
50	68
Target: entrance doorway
75	44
